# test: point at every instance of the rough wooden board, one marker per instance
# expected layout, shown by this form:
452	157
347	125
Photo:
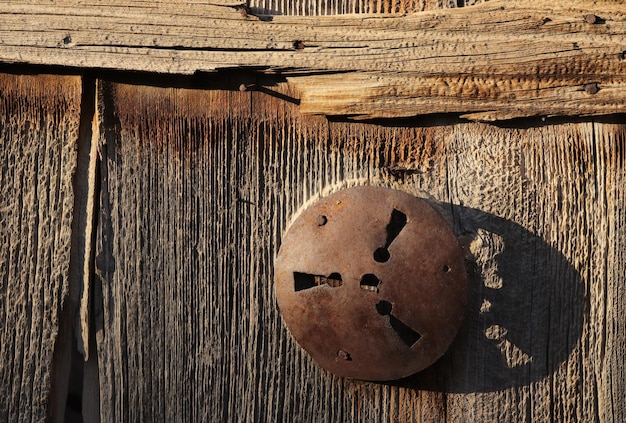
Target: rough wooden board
384	96
39	119
497	60
199	186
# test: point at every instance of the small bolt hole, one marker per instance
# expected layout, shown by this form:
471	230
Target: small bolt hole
446	268
344	355
384	308
321	220
381	255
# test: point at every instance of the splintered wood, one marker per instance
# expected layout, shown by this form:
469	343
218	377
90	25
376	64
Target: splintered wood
496	60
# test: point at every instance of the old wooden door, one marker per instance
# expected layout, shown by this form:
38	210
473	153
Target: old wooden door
155	207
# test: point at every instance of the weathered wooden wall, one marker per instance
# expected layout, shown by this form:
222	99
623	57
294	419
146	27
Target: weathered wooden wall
198	187
39	127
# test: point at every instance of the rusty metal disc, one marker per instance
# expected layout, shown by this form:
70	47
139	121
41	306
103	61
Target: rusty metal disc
371	282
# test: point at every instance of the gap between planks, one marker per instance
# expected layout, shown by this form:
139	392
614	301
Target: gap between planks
74	347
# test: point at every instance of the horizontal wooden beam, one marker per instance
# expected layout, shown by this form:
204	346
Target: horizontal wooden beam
498	60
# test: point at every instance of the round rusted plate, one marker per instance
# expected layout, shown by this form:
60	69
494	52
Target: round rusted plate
372	283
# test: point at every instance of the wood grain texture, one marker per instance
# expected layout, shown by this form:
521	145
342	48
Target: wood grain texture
496	60
199	186
39	119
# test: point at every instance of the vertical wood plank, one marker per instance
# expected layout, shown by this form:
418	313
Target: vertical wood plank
199	186
39	120
610	348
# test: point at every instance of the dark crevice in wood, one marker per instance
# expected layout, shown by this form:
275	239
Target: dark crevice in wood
90	402
451	119
73	402
224	79
90	392
174	48
70	351
28	69
109	129
61	362
422	121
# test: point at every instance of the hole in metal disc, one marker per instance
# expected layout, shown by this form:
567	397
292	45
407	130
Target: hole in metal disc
344	355
381	255
302	281
408	335
397	222
384	307
370	282
334	280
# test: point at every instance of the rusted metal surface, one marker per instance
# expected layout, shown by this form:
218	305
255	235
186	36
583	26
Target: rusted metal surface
372	283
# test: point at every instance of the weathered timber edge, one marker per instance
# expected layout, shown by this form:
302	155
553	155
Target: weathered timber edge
497	60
